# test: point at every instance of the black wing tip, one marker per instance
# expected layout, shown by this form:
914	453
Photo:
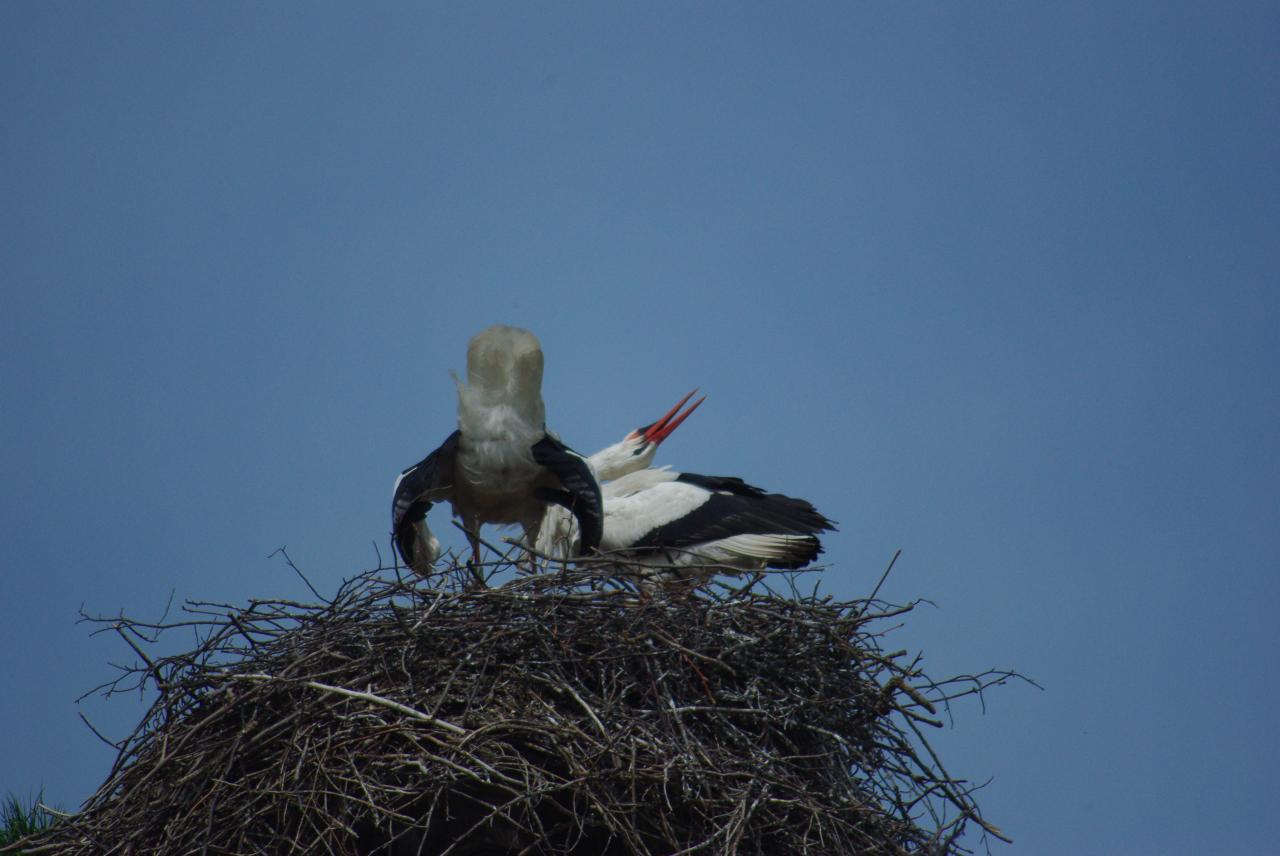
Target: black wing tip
725	514
580	485
402	530
410	502
813	549
798	514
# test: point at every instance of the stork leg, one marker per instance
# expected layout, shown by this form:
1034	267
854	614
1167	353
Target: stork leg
477	572
472	528
529	564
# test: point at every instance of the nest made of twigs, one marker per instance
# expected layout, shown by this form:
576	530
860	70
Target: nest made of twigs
560	713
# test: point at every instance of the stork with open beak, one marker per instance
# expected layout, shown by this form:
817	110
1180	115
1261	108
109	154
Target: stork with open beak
636	450
684	520
502	465
633	452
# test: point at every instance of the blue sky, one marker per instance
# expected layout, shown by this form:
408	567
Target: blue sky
996	284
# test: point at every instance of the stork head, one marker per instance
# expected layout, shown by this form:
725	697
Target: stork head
636	450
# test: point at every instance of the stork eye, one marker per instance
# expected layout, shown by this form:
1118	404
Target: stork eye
637	451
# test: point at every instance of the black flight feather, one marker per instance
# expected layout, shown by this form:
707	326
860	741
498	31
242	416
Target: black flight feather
737	508
420	486
581	494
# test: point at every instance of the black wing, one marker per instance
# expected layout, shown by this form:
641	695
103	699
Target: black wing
722	484
426	482
581	493
735	508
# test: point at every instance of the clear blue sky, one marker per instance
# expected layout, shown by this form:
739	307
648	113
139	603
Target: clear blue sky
994	283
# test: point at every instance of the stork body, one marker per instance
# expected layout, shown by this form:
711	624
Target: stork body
676	520
500	418
502	464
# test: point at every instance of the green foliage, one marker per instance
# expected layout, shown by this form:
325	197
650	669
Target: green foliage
19	819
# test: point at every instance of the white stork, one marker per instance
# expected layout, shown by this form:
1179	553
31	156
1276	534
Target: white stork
633	452
501	465
673	519
684	520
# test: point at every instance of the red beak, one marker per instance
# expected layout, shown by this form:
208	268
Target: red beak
660	430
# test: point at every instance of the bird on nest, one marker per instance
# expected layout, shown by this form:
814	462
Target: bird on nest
687	526
502	465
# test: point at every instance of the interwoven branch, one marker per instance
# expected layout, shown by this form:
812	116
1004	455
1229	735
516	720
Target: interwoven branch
561	713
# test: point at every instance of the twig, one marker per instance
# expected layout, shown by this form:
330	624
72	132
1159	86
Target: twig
558	713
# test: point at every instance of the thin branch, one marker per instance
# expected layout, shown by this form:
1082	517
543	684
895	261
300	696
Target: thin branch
560	713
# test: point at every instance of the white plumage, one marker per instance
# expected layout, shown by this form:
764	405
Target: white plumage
632	453
670	519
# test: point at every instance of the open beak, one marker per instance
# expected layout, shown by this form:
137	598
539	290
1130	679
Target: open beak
660	430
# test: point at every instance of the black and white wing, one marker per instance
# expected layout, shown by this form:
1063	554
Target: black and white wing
579	492
419	487
721	518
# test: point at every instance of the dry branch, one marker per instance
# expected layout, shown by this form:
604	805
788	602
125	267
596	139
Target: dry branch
561	713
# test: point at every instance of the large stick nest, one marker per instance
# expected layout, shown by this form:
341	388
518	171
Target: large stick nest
562	713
